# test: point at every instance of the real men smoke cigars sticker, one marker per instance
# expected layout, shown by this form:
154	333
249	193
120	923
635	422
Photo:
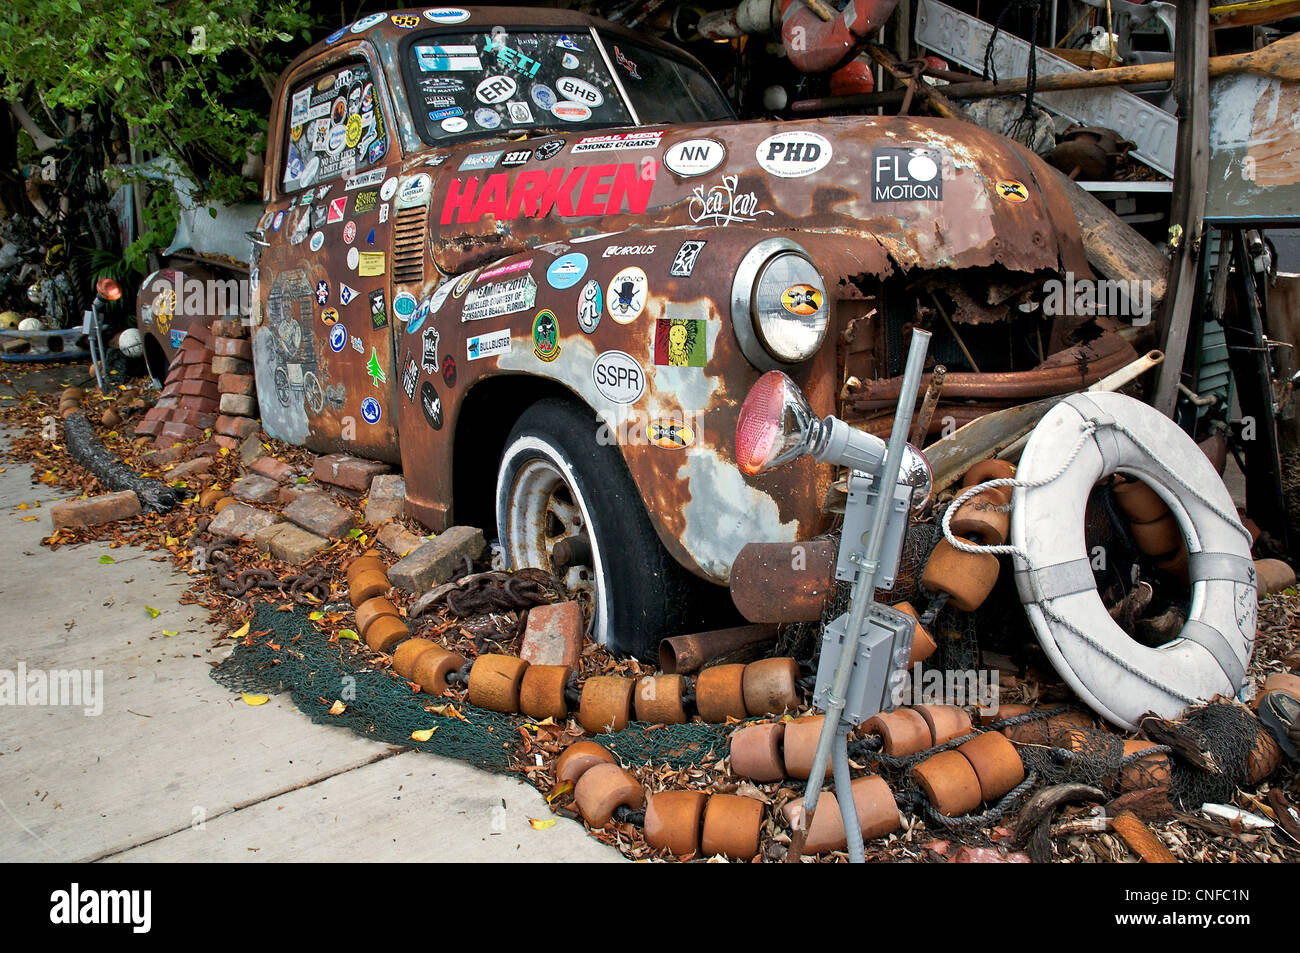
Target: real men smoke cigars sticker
906	175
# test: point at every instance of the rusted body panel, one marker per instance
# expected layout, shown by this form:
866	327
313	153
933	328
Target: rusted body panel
502	246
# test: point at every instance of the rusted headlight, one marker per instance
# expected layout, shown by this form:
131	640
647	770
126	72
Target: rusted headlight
779	310
790	312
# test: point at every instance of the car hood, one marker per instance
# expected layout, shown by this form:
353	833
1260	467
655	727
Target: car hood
900	193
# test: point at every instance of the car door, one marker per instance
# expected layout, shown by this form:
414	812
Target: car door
323	345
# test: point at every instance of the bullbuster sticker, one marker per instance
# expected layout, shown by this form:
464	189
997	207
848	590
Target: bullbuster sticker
627	294
491	344
681	342
906	175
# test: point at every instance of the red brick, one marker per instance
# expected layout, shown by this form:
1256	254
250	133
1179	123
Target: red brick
341	469
233	347
204	405
233	328
178	430
155	413
107	508
206	389
199	332
553	635
230	443
273	468
235	384
172	388
241	405
149	428
237	427
231	365
199	372
199	355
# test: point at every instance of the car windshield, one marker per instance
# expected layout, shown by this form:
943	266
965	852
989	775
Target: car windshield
467	85
663	89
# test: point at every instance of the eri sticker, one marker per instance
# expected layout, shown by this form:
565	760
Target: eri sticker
627	294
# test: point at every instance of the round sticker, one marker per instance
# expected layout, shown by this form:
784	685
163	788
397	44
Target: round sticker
571	112
694	156
463	282
922	168
1011	190
802	300
589	306
618	377
330	316
317	240
349	232
627	293
354	256
569	61
446	15
353	131
367	22
793	154
371	411
449	371
404	305
670	434
548	150
454	124
542	95
338	338
487	118
495	89
566	271
431	405
579	91
439	295
388	188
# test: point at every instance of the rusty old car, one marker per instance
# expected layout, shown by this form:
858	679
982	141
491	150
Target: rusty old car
533	259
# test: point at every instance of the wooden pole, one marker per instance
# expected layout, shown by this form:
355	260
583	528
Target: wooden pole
1191	183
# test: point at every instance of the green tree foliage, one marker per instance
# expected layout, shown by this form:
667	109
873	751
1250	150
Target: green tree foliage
191	79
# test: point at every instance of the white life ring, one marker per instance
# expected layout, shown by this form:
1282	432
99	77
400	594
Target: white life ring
1080	441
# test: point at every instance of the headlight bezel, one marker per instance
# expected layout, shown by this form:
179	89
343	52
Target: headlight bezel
745	317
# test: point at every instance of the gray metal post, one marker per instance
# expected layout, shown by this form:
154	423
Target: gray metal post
864	590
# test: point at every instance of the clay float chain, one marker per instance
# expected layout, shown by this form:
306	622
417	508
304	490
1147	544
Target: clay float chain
685	822
968	578
511	685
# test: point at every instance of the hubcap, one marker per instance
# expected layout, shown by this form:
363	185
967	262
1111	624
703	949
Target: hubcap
543	513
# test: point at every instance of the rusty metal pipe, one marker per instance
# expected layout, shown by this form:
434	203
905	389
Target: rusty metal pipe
684	654
921	426
1057	375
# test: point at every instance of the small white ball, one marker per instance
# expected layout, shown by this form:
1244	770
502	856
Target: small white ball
131	343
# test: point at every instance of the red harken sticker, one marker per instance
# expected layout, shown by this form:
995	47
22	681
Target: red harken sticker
586	190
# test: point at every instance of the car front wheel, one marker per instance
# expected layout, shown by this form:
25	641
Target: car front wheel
566	503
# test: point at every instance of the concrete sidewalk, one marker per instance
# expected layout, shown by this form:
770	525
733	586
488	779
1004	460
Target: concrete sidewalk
176	768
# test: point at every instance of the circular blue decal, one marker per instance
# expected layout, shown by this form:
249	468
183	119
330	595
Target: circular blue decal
567	270
338	338
370	410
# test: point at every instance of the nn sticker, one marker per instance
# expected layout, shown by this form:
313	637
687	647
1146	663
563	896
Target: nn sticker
906	175
681	342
